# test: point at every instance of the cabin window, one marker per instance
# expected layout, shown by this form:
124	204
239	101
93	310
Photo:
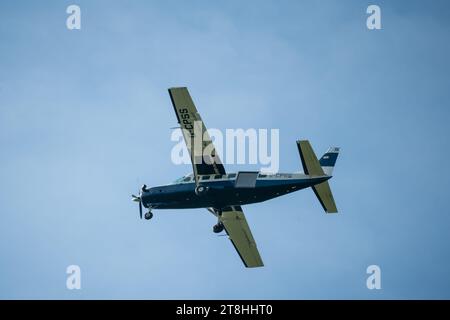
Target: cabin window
263	175
233	175
217	176
205	178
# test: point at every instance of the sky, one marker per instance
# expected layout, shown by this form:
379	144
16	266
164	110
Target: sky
85	119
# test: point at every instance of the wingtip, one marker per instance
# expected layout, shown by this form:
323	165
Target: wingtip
175	88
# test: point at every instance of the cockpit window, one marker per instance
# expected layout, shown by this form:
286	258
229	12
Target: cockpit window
217	176
233	175
205	178
185	178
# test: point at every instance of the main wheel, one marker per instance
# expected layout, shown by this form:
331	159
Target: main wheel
218	228
148	215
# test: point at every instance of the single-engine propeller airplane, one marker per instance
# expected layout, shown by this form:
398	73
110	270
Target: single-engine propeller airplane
223	194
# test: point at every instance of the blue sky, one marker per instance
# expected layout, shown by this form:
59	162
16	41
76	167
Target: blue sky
85	119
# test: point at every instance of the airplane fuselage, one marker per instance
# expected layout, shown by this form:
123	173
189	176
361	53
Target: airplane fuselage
222	191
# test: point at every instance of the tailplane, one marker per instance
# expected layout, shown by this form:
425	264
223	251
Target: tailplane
315	168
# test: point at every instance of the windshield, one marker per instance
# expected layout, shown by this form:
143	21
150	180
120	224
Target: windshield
184	178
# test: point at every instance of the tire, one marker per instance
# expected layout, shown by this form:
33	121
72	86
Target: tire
148	215
218	228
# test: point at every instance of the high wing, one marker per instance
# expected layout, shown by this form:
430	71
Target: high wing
240	235
205	161
203	154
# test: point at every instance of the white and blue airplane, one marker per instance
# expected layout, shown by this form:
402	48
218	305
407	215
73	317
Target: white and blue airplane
210	187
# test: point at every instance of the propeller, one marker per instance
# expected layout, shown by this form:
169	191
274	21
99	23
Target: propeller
139	199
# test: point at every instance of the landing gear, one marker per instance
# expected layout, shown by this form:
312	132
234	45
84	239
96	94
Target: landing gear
201	190
148	215
218	228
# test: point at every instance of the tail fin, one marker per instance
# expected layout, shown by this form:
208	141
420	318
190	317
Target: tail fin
312	167
328	160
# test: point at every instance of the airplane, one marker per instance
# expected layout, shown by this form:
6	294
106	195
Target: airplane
210	187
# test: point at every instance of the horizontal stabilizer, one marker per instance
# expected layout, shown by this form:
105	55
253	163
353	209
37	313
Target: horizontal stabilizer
312	167
323	193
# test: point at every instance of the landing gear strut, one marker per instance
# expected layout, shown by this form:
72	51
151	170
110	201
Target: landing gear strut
218	228
148	215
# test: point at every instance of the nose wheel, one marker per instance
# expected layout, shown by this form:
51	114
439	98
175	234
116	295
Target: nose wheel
148	215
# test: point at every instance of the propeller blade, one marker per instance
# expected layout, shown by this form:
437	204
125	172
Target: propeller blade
140	209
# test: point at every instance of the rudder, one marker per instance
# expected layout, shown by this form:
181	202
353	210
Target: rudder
328	160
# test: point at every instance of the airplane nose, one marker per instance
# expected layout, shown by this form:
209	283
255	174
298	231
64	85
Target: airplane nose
146	197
